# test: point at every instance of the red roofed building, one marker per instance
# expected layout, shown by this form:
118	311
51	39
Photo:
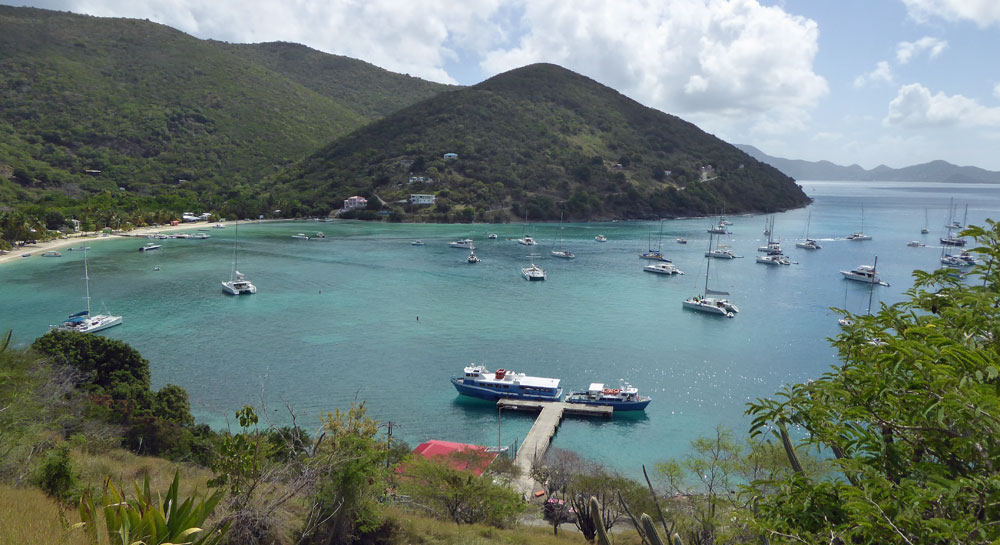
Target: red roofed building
460	456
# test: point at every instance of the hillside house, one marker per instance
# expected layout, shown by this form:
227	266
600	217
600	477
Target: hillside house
421	198
355	202
450	156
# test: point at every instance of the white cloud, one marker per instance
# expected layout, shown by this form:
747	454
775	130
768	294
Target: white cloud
907	50
881	73
996	90
981	12
715	60
410	36
915	107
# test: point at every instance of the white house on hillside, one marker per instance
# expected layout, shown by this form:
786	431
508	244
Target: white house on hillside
419	198
355	202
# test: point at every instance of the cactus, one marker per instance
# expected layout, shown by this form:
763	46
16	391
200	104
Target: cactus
650	535
595	514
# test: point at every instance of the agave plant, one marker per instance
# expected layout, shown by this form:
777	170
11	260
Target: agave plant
143	520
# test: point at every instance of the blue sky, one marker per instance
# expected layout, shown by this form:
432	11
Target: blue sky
895	82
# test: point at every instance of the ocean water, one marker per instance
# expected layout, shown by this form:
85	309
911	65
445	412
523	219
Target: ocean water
364	316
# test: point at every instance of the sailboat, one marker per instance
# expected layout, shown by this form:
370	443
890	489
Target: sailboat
237	284
773	247
951	240
860	235
809	243
83	321
924	230
526	240
711	305
657	253
561	252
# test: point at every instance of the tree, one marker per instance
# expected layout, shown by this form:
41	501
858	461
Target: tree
460	495
172	405
911	417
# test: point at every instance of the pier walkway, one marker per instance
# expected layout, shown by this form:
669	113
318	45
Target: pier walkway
537	441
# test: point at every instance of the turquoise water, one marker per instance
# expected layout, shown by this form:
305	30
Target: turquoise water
335	320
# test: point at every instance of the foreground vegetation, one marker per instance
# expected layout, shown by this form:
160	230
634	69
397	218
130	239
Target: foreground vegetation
899	443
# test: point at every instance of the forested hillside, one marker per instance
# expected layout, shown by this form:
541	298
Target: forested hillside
545	137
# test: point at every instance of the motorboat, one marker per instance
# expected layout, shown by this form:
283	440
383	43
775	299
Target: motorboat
662	268
964	259
319	234
564	254
301	236
915	244
218	226
527	241
809	244
149	247
864	273
237	283
200	235
477	381
626	398
682	241
79	248
492	236
858	236
773	259
601	238
473	258
84	321
465	244
533	273
417	243
52	254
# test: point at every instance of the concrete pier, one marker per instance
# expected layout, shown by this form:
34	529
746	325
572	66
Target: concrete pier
539	437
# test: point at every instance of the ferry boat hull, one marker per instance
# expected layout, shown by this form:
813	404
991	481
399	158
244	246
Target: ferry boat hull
626	398
615	404
478	382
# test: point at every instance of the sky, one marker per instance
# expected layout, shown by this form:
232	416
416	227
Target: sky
894	82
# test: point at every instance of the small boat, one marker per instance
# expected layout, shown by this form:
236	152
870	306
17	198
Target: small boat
915	244
719	229
652	254
626	398
952	241
26	255
527	241
864	273
682	241
301	236
463	243
417	243
662	268
473	258
200	235
319	234
601	238
492	236
773	259
858	236
79	248
218	226
564	254
52	254
150	246
478	381
533	273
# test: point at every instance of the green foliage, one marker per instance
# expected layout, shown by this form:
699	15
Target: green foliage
172	405
241	456
460	495
55	474
143	520
912	421
547	134
352	480
111	367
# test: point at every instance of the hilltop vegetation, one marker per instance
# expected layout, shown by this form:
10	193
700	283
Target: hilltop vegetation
157	112
548	138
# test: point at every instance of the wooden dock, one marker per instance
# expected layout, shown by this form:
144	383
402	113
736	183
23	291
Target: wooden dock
539	437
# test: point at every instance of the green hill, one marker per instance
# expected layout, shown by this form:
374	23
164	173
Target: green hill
145	107
544	137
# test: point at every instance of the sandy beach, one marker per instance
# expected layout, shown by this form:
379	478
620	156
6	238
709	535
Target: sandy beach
87	239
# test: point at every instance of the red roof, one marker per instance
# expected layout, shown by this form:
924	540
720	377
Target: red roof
434	448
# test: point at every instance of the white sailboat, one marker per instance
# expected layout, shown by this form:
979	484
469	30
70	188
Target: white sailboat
83	321
525	239
237	283
808	244
860	235
924	230
656	253
711	305
561	252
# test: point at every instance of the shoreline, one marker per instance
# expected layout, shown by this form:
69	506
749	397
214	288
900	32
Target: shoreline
83	239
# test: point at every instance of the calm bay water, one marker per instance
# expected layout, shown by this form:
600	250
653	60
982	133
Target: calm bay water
335	319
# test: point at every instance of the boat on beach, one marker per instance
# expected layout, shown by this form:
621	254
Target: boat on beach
477	381
626	398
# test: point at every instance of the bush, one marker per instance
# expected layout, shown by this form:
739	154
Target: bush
55	474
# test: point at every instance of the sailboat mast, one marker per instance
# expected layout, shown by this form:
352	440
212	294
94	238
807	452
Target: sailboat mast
236	242
871	288
708	263
86	278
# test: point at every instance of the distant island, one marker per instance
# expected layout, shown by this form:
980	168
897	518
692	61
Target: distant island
934	171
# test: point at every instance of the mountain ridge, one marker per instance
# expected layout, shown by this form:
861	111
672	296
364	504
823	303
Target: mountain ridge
933	171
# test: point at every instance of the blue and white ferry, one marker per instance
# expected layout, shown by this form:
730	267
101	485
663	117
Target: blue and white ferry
480	382
626	398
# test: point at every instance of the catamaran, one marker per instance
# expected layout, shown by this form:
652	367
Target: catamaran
237	283
83	321
711	305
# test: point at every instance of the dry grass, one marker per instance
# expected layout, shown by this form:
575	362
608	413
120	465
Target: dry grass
124	468
27	515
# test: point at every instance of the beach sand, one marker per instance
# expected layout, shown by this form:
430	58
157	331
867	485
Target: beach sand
86	239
